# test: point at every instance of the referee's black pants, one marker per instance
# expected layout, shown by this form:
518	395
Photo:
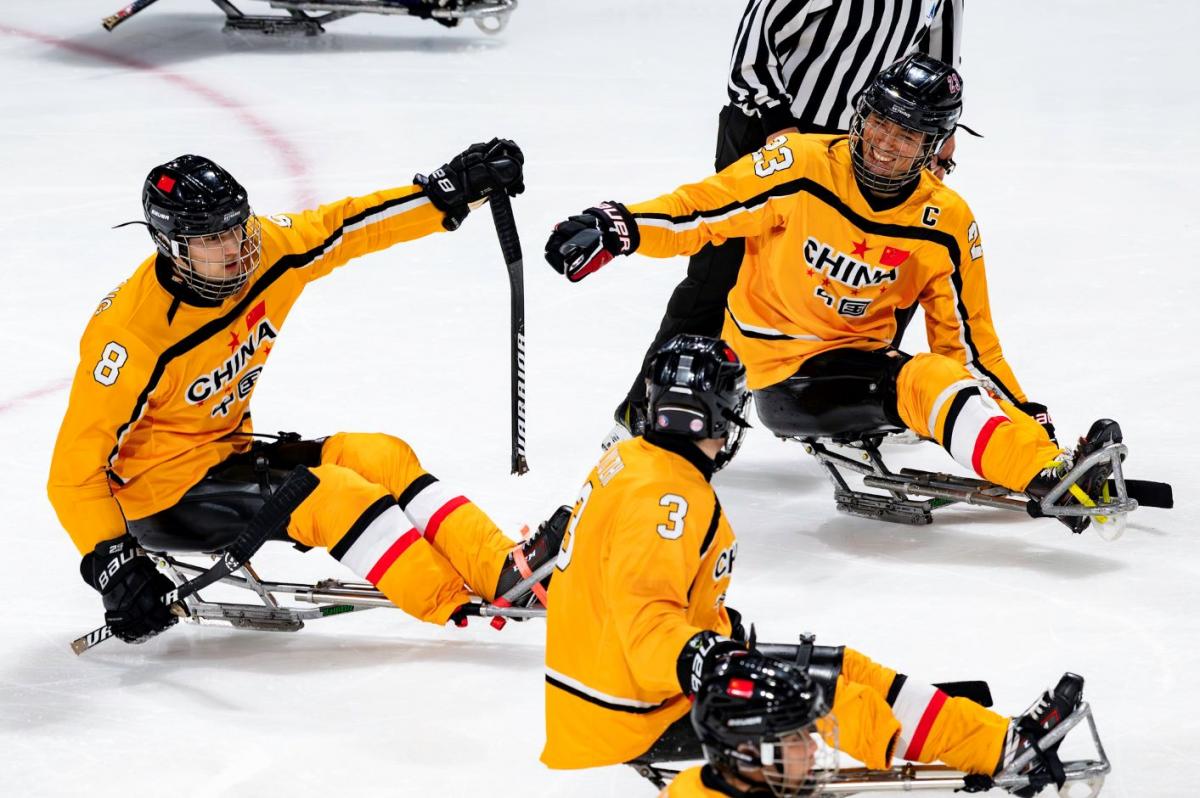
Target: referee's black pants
697	306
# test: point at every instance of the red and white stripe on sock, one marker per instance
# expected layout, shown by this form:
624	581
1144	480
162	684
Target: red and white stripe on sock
376	540
427	502
916	706
972	418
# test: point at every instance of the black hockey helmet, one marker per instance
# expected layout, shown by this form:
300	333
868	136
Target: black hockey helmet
919	93
697	388
192	197
756	715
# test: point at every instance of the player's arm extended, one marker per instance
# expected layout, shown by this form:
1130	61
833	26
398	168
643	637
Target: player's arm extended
332	234
746	199
114	368
958	316
650	568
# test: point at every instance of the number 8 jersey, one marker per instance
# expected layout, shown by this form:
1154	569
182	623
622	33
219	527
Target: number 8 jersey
643	567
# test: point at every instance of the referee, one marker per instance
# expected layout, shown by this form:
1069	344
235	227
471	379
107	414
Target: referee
797	65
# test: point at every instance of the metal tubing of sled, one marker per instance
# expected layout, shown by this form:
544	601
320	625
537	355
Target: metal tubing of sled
918	487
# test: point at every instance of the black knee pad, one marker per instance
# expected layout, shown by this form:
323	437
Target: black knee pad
840	394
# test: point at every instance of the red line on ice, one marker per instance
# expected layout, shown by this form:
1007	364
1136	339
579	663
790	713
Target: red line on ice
37	393
293	161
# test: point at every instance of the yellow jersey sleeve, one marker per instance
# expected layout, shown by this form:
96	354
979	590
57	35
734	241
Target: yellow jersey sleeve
114	368
745	199
653	558
354	226
958	315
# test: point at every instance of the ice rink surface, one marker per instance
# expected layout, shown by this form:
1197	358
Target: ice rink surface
1085	191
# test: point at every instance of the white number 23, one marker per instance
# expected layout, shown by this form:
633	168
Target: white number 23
780	157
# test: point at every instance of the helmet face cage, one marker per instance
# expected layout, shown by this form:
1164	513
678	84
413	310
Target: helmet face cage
919	94
762	722
890	146
217	265
797	763
697	388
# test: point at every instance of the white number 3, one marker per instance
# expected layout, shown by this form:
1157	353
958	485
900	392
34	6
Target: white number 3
678	509
109	367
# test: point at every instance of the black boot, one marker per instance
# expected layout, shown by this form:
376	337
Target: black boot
1092	483
537	553
1051	708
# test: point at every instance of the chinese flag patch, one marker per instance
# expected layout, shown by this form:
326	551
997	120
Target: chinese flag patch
165	183
893	257
256	313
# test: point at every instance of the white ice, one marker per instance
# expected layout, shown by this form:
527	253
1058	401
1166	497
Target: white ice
1085	192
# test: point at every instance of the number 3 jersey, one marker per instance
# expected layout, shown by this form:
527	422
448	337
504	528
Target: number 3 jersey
824	269
163	384
643	568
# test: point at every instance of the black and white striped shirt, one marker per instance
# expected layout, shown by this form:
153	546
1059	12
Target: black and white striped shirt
803	61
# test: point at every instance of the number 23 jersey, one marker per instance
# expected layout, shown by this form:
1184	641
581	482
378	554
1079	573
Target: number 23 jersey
643	568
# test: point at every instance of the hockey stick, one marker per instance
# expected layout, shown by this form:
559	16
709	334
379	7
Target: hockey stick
510	246
125	13
271	519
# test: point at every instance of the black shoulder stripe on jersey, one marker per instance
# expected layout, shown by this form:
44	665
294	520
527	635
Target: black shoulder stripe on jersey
419	484
894	691
956	406
805	185
273	273
376	509
712	527
566	688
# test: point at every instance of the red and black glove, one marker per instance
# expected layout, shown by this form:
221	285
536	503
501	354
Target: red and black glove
582	244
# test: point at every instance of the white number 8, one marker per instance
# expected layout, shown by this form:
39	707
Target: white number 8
109	367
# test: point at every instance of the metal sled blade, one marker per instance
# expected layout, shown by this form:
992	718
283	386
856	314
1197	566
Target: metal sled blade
490	16
1114	453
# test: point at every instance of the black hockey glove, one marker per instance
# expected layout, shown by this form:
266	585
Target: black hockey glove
700	656
473	175
131	587
582	244
1041	415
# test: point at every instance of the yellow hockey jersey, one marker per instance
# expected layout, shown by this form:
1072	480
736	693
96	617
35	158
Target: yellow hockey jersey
702	782
824	270
643	568
162	383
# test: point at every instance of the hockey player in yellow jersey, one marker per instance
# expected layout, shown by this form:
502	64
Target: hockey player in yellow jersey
156	447
637	618
841	233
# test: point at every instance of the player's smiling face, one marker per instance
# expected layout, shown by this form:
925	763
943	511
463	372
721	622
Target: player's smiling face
889	149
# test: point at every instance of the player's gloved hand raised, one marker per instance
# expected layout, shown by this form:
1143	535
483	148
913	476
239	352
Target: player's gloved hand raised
700	656
131	588
582	244
1040	414
472	176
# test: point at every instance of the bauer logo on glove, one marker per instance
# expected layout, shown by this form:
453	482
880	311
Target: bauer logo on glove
584	243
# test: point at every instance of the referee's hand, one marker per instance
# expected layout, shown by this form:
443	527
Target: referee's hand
944	164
